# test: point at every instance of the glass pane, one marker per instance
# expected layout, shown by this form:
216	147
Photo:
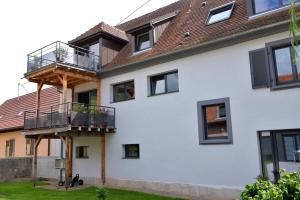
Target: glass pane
158	85
267	155
222	111
298	62
130	90
264	5
93	98
289	143
286	2
132	151
172	82
143	42
120	93
219	16
283	65
288	150
95	48
215	127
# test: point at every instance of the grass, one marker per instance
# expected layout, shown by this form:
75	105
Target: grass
24	191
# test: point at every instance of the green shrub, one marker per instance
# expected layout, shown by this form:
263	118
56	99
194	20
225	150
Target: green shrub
287	188
102	193
262	190
289	184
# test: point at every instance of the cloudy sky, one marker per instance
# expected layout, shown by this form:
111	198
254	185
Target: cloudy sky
29	25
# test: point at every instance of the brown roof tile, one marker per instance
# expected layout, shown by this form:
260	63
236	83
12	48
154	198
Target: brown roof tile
10	109
192	17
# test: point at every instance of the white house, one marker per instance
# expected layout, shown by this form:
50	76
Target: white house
201	98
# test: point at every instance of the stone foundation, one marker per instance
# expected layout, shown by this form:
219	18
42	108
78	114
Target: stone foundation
177	189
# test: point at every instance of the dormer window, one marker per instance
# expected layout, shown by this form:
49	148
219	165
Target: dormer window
220	14
261	6
142	41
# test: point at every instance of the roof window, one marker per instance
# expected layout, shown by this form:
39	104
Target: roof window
220	13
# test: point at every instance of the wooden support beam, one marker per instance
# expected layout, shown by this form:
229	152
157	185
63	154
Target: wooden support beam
91	77
103	164
38	100
34	160
68	170
65	85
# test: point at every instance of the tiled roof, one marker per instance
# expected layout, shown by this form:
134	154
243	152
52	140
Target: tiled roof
102	28
191	18
9	110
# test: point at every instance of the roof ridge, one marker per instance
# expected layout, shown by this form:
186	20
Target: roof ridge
149	13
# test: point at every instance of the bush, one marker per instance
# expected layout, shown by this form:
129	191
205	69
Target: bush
287	188
102	193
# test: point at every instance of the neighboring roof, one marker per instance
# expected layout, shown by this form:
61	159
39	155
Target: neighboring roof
10	109
192	18
101	28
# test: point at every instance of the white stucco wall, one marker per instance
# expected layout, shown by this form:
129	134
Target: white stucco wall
88	169
166	126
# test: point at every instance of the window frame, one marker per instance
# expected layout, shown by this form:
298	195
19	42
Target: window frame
253	12
125	85
137	40
12	144
125	151
202	131
146	29
30	142
77	155
218	10
271	47
164	75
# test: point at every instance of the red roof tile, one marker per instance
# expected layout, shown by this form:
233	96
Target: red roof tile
10	109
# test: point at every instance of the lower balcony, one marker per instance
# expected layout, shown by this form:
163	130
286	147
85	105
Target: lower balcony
71	116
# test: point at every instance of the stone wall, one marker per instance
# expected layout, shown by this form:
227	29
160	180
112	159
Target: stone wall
15	168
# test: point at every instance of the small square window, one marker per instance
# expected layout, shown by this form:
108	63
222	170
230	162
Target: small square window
220	14
82	152
214	122
131	150
164	83
142	41
123	91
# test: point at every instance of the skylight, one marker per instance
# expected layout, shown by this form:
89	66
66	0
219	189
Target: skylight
219	14
20	113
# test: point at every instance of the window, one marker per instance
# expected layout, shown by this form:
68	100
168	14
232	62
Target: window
131	150
29	146
214	121
280	149
82	152
164	83
283	71
10	148
123	91
142	41
220	14
260	6
20	114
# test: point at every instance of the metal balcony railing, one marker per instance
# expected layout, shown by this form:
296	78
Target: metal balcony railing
70	114
62	53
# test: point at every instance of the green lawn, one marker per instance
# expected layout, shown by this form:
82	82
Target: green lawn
24	191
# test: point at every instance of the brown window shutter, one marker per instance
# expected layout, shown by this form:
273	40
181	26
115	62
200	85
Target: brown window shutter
259	68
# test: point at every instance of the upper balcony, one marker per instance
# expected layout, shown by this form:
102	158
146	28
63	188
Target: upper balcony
59	53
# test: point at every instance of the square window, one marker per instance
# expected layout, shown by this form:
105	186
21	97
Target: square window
142	41
131	150
214	122
82	152
220	14
164	83
123	91
284	72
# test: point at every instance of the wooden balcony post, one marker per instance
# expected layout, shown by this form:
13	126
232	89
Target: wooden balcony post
103	164
69	156
65	85
34	159
102	137
38	100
